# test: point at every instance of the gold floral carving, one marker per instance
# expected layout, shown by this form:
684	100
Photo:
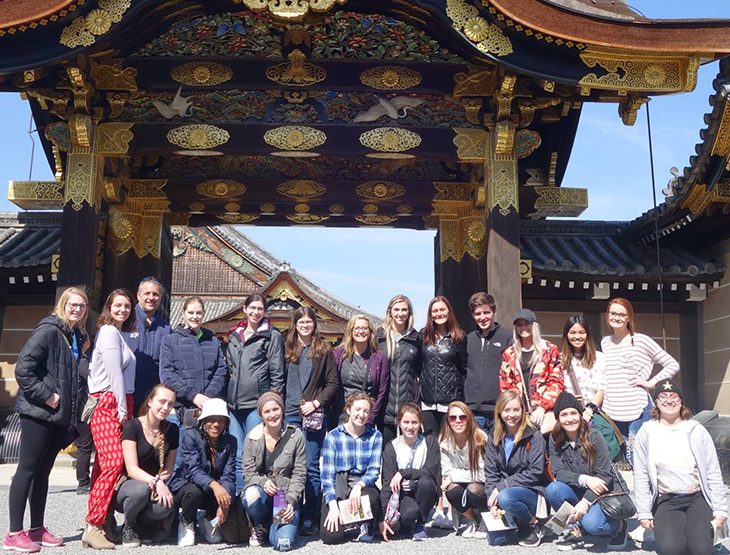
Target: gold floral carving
200	74
372	219
627	72
487	37
301	189
114	138
306	218
698	199
112	76
137	225
301	208
560	201
267	208
380	190
295	137
290	10
390	78
336	209
721	145
478	82
84	169
297	72
196	207
147	188
454	192
232	207
390	139
36	195
471	144
238	218
369	209
502	183
83	30
221	188
198	136
404	209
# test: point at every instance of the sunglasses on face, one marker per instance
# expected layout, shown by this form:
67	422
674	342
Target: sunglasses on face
457	418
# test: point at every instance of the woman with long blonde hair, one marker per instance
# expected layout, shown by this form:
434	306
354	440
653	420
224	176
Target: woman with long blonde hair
462	443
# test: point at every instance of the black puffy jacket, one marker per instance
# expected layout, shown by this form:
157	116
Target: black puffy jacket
46	365
443	371
405	368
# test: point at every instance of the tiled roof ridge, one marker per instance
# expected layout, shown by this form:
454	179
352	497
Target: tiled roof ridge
255	252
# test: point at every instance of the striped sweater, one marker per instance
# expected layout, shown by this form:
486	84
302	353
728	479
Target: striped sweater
627	359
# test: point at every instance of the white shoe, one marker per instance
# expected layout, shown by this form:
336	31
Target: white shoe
442	520
211	535
470	530
186	534
481	532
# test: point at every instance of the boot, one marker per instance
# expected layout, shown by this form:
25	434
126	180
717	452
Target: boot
94	538
111	528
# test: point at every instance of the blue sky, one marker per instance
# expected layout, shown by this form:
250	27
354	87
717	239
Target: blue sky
366	267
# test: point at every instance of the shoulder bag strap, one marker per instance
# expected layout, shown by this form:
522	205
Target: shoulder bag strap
271	457
574	381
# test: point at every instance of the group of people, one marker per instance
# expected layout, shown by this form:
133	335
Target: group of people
294	436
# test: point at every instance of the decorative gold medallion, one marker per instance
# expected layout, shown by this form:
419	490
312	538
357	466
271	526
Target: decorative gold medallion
380	190
221	188
306	218
297	72
390	78
336	209
201	74
238	218
487	37
83	30
295	137
198	136
290	10
232	207
370	209
370	219
301	189
404	209
196	207
267	208
301	208
390	139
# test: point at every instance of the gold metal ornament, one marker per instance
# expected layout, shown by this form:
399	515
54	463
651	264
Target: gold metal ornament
198	136
197	207
301	189
390	78
560	202
336	209
83	30
370	209
295	137
296	73
221	188
238	218
114	138
301	208
370	219
380	190
201	74
36	195
487	37
404	209
267	208
306	218
390	139
232	207
290	10
471	144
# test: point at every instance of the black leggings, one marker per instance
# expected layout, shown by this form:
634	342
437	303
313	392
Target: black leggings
84	448
432	420
190	498
40	443
463	497
339	536
415	506
682	525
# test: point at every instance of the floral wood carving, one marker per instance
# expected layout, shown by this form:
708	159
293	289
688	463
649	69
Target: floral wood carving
390	139
297	72
198	136
290	10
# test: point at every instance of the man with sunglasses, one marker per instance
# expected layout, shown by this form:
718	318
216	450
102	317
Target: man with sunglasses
146	340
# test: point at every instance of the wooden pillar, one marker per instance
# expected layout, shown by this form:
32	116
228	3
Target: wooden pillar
503	221
139	242
79	261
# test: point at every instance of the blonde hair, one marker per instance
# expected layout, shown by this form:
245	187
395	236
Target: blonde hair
538	343
60	309
505	398
348	343
389	328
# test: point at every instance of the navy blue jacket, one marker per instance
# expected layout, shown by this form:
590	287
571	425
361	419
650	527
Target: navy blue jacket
525	467
196	467
190	365
146	342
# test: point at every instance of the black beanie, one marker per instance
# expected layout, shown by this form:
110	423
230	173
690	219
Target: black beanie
667	385
566	401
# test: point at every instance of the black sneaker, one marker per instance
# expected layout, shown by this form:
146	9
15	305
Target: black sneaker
130	537
620	539
308	527
569	542
534	538
83	490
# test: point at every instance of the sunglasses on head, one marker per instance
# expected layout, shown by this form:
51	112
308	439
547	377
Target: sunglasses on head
457	418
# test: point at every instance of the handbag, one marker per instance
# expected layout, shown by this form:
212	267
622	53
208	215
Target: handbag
617	505
392	511
89	408
314	421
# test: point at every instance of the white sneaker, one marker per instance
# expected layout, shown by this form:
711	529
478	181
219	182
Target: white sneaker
211	535
470	530
186	534
481	532
442	520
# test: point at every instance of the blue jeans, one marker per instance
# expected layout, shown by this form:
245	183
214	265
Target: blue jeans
485	421
630	429
260	512
313	485
595	522
519	505
173	419
242	421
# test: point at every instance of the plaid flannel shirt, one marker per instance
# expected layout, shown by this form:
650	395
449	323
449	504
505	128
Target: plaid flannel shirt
361	456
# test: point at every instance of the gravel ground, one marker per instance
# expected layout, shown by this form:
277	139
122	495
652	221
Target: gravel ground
65	512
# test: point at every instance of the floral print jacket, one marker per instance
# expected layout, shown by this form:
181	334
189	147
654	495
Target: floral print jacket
546	382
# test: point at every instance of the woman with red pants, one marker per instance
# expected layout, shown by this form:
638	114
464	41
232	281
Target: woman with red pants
111	381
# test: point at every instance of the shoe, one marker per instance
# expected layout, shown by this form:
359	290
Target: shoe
186	534
419	533
130	536
442	521
42	536
83	490
619	539
366	533
534	537
95	538
481	532
253	540
111	529
20	542
569	541
470	530
308	527
211	535
284	544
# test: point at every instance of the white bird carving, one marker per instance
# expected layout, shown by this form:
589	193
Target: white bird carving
395	108
179	106
673	185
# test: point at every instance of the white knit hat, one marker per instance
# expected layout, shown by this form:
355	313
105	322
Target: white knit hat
213	407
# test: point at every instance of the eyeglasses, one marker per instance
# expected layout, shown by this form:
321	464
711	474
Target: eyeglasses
361	330
76	306
457	418
665	397
618	315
